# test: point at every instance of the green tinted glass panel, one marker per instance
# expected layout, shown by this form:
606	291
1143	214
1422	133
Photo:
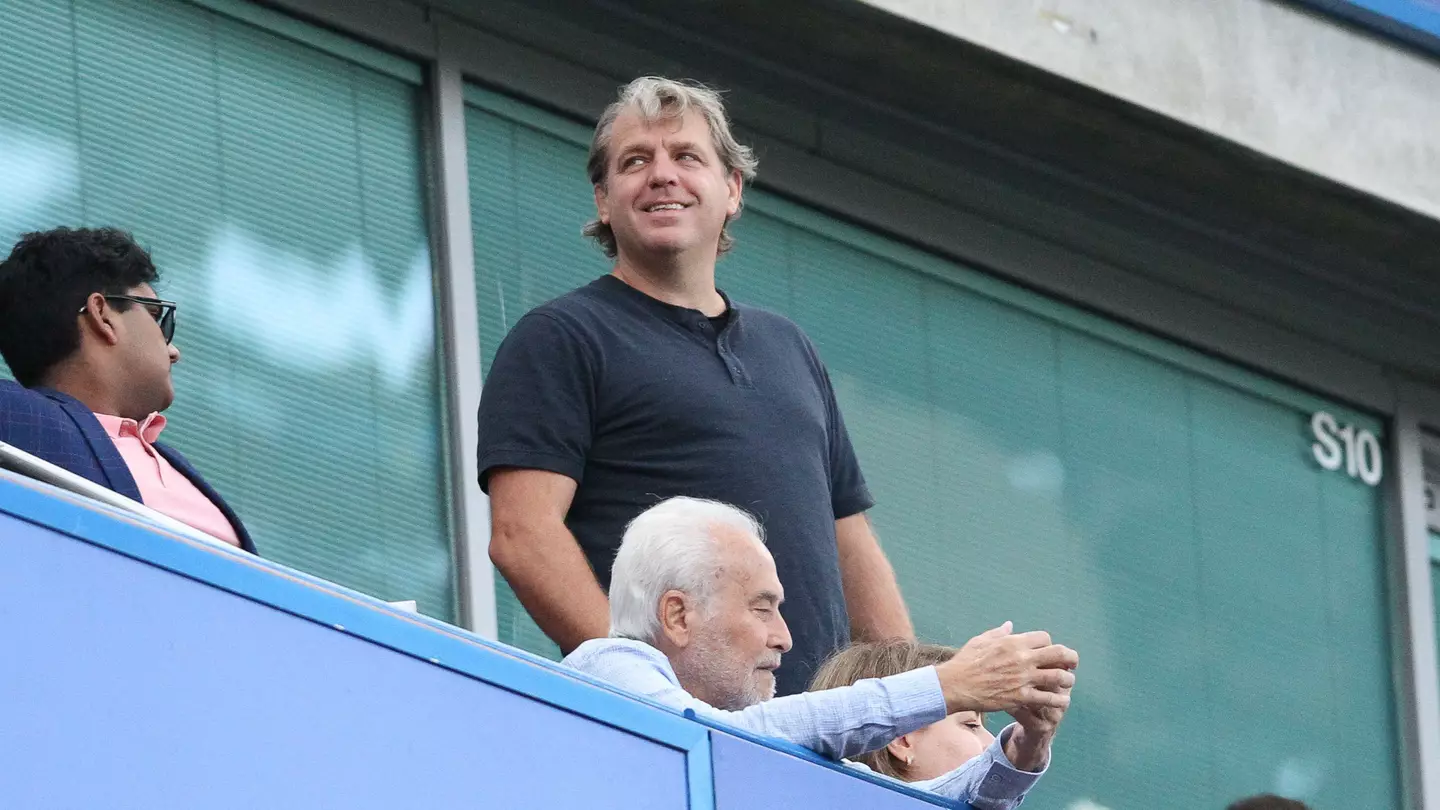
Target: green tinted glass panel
281	190
1156	509
1435	582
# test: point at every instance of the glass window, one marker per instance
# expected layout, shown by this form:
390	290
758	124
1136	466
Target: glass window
1435	581
281	189
1156	509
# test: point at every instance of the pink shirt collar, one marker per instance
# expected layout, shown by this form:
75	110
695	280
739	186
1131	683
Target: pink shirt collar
161	486
119	427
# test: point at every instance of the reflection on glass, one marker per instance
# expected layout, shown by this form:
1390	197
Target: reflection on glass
38	173
291	295
326	369
1039	471
1301	779
1085	804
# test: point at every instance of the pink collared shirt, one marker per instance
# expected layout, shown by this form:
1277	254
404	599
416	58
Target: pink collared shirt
162	487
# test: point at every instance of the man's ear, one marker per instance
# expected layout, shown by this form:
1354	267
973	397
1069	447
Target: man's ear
902	748
602	205
735	190
676	618
99	319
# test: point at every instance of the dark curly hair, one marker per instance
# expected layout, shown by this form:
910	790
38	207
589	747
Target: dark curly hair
45	282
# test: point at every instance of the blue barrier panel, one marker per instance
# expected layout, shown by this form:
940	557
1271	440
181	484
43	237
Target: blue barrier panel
124	685
749	775
786	760
141	669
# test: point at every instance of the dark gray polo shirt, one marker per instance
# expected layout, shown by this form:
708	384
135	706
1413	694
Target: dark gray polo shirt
638	401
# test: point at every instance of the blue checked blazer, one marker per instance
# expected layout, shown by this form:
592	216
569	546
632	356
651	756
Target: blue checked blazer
59	429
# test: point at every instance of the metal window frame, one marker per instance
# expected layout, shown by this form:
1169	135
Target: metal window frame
461	346
1413	618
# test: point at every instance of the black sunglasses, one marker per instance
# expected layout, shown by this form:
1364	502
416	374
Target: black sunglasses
162	311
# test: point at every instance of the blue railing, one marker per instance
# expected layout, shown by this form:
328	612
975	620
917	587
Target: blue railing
144	668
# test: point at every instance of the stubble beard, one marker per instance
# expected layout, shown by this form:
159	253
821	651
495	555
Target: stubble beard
729	688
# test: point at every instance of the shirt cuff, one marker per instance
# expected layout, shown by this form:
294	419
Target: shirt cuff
852	503
1005	785
917	694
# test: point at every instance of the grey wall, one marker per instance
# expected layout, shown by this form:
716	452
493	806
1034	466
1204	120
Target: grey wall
1293	85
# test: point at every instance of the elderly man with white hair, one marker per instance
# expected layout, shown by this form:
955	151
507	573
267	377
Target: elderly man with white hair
695	624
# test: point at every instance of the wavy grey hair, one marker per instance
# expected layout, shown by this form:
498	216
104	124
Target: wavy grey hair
669	547
657	99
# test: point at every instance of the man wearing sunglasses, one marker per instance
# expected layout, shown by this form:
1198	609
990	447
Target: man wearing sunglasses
89	343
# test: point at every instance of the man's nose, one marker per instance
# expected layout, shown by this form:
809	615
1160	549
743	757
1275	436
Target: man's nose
662	171
781	639
174	354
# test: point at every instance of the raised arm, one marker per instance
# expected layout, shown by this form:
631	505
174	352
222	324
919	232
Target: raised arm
837	722
994	670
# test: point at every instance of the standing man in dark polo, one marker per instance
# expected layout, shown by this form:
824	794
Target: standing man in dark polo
649	383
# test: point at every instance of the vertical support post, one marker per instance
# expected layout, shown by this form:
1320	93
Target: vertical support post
456	261
1417	678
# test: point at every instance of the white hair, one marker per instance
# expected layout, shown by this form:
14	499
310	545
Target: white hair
669	546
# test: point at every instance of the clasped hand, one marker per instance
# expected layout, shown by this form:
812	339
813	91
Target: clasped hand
1024	674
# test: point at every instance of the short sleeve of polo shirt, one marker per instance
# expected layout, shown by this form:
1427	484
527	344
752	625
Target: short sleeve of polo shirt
538	401
848	493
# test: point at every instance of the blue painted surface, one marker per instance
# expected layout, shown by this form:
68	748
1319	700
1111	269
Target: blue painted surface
330	605
125	686
845	772
750	775
145	670
1415	21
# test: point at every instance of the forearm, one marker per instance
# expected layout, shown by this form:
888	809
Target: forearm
872	595
1028	751
552	579
842	722
848	721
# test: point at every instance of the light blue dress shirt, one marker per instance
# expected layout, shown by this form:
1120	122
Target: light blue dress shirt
837	723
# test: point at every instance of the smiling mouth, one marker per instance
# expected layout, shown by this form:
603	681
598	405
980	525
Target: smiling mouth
668	206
